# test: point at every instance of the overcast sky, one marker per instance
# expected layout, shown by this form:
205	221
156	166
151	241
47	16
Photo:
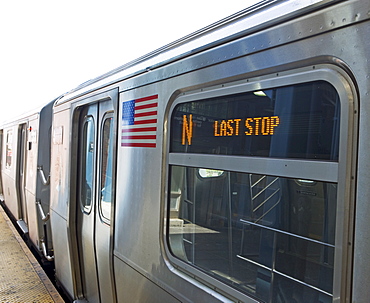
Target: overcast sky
49	47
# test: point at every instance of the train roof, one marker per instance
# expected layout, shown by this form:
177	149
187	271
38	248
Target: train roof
255	18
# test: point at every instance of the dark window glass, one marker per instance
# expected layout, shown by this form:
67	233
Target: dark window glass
87	163
298	121
106	168
269	237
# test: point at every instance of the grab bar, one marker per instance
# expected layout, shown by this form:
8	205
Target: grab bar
43	178
44	217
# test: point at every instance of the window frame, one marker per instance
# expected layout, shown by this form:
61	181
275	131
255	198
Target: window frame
340	172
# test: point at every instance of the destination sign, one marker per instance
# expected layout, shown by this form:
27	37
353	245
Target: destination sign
298	121
257	126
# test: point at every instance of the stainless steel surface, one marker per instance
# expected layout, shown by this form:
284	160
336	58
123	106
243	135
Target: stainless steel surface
276	44
134	207
273	167
253	19
30	149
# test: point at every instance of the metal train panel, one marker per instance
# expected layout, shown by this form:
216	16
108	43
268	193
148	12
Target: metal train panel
234	171
9	172
43	180
30	181
26	154
59	198
128	248
287	57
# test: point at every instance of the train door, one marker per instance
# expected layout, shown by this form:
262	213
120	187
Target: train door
97	136
20	176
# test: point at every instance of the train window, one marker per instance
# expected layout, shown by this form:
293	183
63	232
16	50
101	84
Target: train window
9	150
255	193
262	123
87	164
106	168
267	236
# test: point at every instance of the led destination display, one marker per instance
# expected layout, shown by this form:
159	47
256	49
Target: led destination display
300	121
259	126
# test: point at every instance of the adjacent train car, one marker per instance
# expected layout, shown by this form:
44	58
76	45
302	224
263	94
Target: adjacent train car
228	166
25	169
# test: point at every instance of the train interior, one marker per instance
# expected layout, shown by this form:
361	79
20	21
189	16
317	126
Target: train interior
269	237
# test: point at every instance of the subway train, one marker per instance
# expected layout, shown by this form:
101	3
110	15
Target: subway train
228	166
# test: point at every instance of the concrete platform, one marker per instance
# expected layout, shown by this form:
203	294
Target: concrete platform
22	280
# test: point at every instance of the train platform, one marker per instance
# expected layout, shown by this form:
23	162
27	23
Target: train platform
22	280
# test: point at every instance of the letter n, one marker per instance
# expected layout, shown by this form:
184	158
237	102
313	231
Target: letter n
187	130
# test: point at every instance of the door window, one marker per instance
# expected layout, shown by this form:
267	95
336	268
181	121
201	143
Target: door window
9	151
106	194
87	164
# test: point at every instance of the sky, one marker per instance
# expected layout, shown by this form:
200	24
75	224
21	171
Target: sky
48	47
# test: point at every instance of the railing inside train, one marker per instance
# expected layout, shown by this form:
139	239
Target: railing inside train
190	204
273	269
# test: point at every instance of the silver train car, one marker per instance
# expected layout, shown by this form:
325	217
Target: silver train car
25	145
229	166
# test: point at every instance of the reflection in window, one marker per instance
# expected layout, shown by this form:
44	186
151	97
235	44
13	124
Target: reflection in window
269	237
87	163
106	168
210	173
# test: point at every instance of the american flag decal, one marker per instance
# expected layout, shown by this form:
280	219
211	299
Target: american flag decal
139	122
